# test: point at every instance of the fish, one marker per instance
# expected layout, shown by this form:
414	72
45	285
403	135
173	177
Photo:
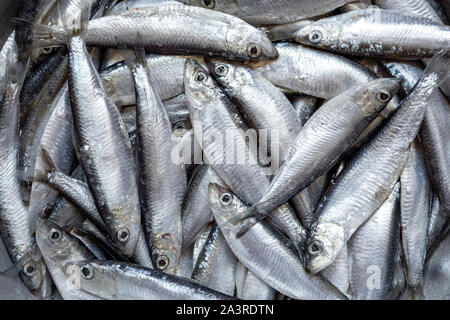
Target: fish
416	204
102	144
376	32
370	176
265	253
325	137
211	33
162	182
113	280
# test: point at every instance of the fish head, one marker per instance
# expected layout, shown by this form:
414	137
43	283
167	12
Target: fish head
376	94
323	246
230	76
57	246
200	87
227	209
166	253
34	274
248	43
318	34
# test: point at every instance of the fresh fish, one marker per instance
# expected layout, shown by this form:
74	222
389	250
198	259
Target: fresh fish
268	12
104	149
208	33
113	280
338	273
373	251
215	120
305	106
58	249
416	201
376	33
8	58
320	144
264	107
370	176
162	182
264	251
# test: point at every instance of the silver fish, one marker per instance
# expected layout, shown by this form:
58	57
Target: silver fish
162	182
371	174
377	33
104	149
320	144
209	33
121	281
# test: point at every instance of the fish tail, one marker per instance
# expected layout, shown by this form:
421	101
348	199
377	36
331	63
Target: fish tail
439	65
49	167
415	292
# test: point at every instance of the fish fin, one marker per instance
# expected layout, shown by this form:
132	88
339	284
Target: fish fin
75	25
440	65
41	36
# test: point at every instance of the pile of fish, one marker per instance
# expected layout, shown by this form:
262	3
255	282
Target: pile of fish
201	149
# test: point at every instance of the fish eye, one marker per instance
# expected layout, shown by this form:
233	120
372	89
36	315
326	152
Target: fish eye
29	269
162	262
87	271
383	96
253	50
46	50
55	235
226	199
315	36
315	247
200	76
221	70
208	4
123	235
179	126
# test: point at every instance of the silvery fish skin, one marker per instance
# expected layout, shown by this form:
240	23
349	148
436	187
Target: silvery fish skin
313	72
89	242
215	264
357	5
35	81
15	228
37	119
264	107
136	4
416	201
167	77
437	272
214	117
370	176
186	263
113	280
377	33
188	30
267	12
162	182
104	149
196	212
438	224
264	251
373	251
305	106
57	141
67	8
253	288
59	248
200	243
435	130
327	134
